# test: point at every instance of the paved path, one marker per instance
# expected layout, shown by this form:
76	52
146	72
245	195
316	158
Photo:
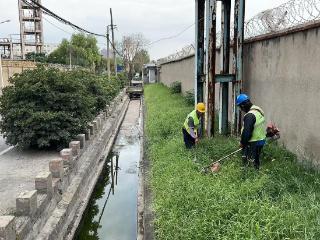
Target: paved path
17	172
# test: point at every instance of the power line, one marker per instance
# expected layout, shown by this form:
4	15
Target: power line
57	26
66	22
173	36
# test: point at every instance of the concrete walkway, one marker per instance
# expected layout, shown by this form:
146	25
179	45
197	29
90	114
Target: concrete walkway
18	170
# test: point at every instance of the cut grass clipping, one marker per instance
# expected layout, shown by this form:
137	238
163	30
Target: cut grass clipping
282	201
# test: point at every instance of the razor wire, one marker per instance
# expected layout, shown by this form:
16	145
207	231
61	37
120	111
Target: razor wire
287	16
185	52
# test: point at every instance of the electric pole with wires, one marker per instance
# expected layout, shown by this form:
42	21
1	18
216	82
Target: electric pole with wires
108	53
113	44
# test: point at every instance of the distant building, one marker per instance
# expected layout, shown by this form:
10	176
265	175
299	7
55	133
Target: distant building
49	47
149	73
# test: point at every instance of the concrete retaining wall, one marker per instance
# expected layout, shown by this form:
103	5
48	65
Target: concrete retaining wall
281	74
54	209
9	68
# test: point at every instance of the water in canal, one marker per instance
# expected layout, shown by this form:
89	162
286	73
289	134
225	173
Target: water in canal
112	211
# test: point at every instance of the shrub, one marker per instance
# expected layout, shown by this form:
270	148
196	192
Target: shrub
46	108
175	87
123	78
189	97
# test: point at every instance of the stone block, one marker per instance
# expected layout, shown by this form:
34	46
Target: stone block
95	126
56	168
43	183
91	128
75	146
7	228
99	122
82	139
26	203
66	155
88	134
104	116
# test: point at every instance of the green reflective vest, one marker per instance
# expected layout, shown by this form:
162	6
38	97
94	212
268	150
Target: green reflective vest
259	131
196	121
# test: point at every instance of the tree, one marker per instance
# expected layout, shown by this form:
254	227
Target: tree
130	47
82	49
142	57
37	57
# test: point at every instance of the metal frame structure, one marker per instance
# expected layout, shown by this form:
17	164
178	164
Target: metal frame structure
31	26
226	74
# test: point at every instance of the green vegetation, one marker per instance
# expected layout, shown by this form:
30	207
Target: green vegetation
175	87
37	57
82	49
189	97
46	108
282	201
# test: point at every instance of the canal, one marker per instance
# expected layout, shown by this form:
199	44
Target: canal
112	210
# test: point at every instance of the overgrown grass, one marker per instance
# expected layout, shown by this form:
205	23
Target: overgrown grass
282	201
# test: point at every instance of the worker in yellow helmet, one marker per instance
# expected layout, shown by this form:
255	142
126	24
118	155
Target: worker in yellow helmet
191	126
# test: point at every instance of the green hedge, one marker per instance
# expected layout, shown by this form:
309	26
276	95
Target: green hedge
46	107
279	202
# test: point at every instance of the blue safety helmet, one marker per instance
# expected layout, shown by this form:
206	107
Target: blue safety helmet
241	99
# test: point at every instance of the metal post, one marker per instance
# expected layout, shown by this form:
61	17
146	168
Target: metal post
238	43
199	55
1	73
224	88
113	43
108	53
200	10
211	63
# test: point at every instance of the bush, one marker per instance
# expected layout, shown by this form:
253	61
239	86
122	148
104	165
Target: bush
189	97
175	87
46	108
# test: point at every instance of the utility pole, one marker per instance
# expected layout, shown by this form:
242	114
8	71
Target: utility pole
108	53
113	44
70	56
1	73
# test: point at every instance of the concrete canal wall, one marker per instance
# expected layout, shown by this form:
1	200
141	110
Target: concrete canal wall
55	207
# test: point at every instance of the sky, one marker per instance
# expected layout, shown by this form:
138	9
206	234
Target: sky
155	19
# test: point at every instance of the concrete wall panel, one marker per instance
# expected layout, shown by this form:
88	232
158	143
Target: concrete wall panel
282	75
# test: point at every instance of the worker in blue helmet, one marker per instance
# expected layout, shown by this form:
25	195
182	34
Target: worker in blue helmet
253	133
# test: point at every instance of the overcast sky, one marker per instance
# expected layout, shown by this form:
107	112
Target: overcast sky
156	19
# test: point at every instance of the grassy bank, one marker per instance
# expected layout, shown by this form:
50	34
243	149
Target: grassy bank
279	202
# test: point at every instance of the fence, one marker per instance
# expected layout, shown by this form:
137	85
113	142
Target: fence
286	16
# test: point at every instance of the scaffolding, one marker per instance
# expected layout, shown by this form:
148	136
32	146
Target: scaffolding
31	26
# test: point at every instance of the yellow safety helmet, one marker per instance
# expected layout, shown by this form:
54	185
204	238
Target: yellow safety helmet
201	107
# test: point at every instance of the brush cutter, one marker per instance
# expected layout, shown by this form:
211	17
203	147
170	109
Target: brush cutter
215	166
273	133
